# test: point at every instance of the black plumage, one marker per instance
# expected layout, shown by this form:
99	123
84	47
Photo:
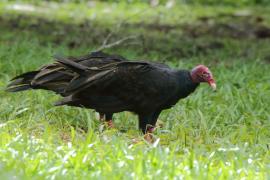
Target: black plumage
141	87
111	84
55	77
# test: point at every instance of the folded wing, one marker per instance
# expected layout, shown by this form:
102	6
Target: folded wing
137	84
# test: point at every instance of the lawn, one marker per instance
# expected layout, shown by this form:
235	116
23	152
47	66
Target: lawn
209	135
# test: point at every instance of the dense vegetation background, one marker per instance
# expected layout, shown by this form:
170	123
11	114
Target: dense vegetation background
207	135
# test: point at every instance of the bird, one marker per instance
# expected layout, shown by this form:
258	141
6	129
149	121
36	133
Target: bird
54	77
142	87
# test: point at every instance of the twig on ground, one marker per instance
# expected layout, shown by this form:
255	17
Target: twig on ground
116	43
107	39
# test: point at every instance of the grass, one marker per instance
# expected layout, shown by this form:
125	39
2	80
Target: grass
221	135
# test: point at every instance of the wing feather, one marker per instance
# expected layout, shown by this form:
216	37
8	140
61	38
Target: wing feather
133	82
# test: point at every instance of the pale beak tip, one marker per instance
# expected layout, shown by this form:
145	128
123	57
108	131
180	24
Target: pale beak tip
214	86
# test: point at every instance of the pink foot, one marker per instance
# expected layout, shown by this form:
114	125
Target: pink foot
110	124
149	138
151	129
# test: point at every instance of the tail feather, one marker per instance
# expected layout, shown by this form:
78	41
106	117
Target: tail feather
18	88
76	67
21	82
27	75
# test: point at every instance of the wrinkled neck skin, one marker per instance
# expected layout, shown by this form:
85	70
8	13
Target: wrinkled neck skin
195	78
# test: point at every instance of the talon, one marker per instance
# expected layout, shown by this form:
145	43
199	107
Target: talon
149	138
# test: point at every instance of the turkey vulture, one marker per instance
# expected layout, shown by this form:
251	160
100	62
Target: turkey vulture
145	88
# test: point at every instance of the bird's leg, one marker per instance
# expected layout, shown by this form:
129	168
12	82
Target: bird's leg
101	117
110	124
143	125
147	124
151	126
149	133
108	120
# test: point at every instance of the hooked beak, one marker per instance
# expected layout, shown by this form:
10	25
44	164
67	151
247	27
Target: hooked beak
212	84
